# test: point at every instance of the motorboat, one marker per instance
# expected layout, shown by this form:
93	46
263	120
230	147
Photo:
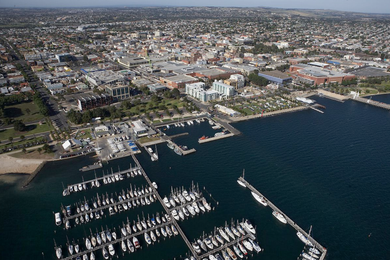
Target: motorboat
196	208
169	231
153	236
105	253
219	238
241	183
76	248
92	256
229	232
123	246
174	230
202	245
85	257
166	202
307	256
59	252
113	235
93	241
247	245
279	217
231	253
104	237
256	247
208	243
314	250
70	249
57	217
238	251
98	239
163	232
130	245
214	241
136	243
109	236
147	238
158	234
259	198
249	226
88	244
223	234
196	247
242	248
235	231
111	249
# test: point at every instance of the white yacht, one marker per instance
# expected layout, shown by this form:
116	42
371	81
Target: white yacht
105	253
279	216
259	199
249	226
58	219
241	183
111	249
147	238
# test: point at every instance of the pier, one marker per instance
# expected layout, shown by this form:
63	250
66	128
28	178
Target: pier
322	249
316	109
184	152
178	135
166	208
224	246
118	240
104	176
116	203
210	139
372	102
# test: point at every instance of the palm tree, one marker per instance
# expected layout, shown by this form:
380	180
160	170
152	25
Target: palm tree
39	150
10	139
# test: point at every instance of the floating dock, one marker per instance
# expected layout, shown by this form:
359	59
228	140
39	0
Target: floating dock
94	166
322	249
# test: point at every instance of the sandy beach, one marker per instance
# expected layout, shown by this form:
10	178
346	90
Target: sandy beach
17	165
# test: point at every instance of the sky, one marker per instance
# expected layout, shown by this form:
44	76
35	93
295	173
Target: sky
366	6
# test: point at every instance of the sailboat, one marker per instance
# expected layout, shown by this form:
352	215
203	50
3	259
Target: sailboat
240	182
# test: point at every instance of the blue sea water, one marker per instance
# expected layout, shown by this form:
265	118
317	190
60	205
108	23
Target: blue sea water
326	170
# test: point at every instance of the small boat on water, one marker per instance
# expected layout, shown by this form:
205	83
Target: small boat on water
105	253
130	245
249	226
59	252
242	248
304	239
259	199
147	238
307	256
238	251
170	145
241	183
247	245
202	245
111	249
57	217
255	245
231	253
279	216
314	250
196	247
88	244
123	246
223	234
136	243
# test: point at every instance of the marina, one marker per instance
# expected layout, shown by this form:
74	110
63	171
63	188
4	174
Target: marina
317	245
372	102
210	139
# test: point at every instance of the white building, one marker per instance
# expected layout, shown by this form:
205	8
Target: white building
139	128
239	79
197	91
227	110
223	89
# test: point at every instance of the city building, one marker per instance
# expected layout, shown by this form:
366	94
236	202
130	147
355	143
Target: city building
91	101
235	80
139	128
103	77
317	75
276	77
118	91
223	89
64	57
227	110
178	81
197	90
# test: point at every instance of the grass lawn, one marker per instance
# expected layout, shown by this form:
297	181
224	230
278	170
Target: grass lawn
84	134
20	142
34	129
18	112
147	139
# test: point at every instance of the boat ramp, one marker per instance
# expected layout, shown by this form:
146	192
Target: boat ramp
322	249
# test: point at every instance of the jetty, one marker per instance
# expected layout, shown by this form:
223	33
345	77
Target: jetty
372	102
210	139
226	245
118	240
188	243
112	174
116	203
322	249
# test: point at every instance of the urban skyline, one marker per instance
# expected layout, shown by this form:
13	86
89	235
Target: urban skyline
376	6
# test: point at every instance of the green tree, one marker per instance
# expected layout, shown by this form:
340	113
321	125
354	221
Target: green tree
10	139
22	137
24	150
28	111
19	126
39	150
175	93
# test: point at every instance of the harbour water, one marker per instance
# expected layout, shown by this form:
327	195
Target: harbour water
326	170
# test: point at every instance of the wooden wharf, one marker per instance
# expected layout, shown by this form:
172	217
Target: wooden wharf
224	246
322	249
112	174
116	203
118	240
166	209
